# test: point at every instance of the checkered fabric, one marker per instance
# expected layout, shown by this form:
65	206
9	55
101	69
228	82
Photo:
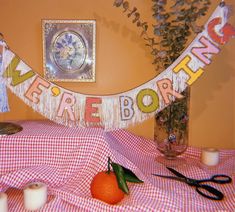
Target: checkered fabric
66	159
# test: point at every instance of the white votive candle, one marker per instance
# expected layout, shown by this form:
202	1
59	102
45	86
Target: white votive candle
35	196
210	156
3	202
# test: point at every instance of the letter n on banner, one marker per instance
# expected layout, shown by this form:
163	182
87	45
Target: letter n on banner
202	52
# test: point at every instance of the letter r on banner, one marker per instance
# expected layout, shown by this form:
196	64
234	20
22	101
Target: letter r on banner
165	87
67	102
127	111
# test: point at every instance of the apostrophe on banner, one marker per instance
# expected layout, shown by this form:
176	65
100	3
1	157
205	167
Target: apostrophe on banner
55	91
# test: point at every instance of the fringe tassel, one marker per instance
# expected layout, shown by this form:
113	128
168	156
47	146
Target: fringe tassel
4	106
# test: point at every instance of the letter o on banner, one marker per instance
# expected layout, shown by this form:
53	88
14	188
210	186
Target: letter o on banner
153	106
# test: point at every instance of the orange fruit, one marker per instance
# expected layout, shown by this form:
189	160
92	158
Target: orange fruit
104	186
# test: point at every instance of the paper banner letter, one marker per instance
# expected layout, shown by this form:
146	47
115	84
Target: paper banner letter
227	31
150	107
126	106
66	104
91	111
166	88
35	89
15	74
202	52
183	65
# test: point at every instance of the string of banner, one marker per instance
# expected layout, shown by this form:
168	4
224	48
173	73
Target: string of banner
120	110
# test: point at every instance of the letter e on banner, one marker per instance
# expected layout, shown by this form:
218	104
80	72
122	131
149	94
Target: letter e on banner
91	114
35	89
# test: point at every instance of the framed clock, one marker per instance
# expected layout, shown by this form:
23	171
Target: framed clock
69	50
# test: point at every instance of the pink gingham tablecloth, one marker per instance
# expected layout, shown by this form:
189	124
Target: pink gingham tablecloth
66	159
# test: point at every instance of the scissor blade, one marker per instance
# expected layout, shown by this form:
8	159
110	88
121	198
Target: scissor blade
176	173
170	177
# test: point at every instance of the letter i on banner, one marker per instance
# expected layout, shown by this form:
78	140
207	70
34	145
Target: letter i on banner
4	107
183	66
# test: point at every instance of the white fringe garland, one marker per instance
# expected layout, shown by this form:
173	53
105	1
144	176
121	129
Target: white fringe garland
109	110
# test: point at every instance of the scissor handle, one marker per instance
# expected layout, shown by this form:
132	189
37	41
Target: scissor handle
206	190
221	179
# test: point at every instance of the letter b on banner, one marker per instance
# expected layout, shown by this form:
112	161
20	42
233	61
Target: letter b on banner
127	111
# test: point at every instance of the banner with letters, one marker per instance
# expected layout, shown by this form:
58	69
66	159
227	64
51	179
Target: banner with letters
123	109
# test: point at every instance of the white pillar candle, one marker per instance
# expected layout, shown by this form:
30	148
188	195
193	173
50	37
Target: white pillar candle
3	202
210	156
35	196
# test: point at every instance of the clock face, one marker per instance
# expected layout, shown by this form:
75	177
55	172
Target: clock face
69	51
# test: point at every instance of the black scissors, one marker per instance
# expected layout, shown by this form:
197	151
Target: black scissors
203	189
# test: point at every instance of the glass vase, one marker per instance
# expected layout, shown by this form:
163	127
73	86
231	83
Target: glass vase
171	131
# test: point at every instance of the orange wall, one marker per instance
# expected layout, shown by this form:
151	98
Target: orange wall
122	63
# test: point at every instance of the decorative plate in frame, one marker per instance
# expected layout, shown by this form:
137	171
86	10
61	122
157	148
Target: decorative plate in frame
69	50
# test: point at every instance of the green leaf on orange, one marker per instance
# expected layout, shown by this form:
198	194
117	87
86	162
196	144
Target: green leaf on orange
130	176
120	175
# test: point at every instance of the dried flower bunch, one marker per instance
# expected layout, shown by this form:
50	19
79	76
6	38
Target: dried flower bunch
175	22
174	26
